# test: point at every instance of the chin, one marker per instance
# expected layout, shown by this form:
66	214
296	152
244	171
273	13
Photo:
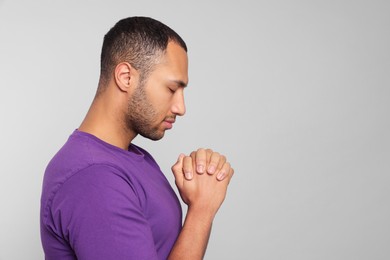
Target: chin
153	136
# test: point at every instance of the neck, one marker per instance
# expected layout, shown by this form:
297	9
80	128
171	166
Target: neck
106	122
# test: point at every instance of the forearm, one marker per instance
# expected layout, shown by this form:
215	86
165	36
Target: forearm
203	194
193	239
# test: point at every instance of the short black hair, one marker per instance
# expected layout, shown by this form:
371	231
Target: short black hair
138	41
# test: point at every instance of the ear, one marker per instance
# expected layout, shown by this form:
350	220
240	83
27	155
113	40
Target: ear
125	76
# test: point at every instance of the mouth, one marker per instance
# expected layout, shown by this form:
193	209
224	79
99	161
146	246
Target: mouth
168	122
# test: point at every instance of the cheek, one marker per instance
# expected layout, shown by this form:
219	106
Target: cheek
162	108
161	103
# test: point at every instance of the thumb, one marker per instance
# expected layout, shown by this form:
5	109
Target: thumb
177	170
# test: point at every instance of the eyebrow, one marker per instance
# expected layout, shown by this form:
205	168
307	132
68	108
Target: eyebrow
180	83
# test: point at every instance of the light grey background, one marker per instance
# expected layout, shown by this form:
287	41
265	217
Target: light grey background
295	93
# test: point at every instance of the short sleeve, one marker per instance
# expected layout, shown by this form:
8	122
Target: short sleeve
99	213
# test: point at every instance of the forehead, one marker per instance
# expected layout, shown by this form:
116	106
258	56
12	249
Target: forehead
173	63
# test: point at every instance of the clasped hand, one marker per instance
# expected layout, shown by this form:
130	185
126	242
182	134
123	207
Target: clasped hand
202	178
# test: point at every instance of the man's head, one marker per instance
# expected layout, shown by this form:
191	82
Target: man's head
144	69
140	41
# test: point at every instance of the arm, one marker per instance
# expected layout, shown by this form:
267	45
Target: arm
203	194
99	217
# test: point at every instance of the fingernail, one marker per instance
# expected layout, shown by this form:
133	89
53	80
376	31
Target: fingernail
211	169
220	175
188	175
200	168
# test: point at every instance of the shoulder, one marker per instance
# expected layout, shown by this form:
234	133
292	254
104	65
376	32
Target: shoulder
82	151
103	182
86	165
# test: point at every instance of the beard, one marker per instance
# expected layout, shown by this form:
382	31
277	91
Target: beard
141	116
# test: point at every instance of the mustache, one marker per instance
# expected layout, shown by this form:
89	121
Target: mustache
170	119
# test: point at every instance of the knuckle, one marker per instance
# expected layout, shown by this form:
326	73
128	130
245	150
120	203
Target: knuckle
200	150
174	168
216	155
187	167
227	165
187	160
208	150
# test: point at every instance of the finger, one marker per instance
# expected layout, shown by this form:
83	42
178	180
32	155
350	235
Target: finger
209	152
223	173
177	170
231	175
187	168
200	159
221	163
213	163
193	156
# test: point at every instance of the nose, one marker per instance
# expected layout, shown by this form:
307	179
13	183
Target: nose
178	106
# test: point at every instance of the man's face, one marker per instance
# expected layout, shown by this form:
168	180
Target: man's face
155	104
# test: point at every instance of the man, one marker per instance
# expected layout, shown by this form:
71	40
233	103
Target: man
105	198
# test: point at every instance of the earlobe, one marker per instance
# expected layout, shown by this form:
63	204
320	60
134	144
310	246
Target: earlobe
123	76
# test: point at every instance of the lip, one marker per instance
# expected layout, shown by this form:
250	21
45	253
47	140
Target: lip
169	123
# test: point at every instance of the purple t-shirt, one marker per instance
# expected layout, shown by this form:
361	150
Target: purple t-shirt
101	202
